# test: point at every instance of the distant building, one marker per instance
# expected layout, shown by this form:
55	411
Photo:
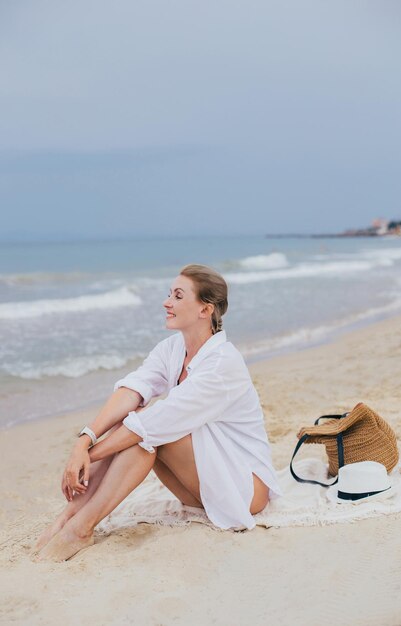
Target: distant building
380	225
380	228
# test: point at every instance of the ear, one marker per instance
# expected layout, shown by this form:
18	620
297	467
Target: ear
206	310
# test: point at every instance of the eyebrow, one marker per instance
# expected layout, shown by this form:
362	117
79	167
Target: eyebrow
178	289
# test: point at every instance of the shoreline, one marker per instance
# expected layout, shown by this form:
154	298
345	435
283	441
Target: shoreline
286	373
70	319
162	575
108	377
332	336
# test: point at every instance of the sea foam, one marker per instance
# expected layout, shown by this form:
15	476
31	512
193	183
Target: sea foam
36	308
308	336
275	260
303	270
384	257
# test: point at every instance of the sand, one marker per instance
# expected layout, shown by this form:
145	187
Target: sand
345	574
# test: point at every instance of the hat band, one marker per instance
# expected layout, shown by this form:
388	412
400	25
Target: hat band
357	496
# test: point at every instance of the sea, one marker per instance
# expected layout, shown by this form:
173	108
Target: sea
76	316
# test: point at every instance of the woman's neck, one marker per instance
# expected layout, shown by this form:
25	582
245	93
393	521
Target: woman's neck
194	341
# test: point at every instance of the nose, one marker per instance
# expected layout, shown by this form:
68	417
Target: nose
166	303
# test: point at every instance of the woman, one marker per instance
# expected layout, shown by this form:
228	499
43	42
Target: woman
205	440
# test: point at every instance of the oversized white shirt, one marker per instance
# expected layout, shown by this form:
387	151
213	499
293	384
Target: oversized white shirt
218	404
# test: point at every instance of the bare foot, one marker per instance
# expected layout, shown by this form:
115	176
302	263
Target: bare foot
49	532
67	542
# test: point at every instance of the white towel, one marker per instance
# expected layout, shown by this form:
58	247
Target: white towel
301	504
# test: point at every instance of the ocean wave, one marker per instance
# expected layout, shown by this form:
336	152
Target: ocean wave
384	256
301	337
70	367
380	256
275	260
308	336
304	270
36	308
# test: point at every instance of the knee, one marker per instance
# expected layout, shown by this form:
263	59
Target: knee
149	457
136	453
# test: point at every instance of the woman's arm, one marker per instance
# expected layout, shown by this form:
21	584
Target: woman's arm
118	440
117	407
120	403
137	388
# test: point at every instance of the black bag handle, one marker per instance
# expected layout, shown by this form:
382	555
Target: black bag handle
340	451
329	417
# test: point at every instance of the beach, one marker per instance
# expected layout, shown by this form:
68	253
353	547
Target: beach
347	574
169	171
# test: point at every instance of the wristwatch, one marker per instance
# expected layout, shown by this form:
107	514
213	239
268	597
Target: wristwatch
88	431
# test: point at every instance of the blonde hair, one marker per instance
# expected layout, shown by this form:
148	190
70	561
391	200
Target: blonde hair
210	288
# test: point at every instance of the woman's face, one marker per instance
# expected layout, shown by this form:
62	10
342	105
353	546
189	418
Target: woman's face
183	309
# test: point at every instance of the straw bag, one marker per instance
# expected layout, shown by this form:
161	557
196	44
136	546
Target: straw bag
361	435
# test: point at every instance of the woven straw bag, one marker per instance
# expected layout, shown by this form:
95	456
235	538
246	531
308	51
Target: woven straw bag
361	435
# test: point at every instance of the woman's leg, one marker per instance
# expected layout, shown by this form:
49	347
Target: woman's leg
172	483
97	471
176	465
183	480
126	471
260	495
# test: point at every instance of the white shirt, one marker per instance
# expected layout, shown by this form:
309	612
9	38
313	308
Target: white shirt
218	404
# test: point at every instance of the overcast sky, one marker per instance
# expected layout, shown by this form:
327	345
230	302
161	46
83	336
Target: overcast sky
129	118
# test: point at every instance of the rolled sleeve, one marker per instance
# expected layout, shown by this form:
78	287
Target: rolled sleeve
150	379
133	423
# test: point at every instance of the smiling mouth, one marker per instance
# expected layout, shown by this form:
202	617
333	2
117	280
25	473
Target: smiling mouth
170	315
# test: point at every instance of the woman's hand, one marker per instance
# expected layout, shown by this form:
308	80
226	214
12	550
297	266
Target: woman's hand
76	473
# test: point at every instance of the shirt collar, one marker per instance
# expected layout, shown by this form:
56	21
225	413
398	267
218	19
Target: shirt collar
211	344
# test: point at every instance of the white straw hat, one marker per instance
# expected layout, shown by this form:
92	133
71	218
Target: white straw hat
359	482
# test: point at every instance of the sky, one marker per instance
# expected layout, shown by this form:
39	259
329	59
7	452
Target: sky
170	117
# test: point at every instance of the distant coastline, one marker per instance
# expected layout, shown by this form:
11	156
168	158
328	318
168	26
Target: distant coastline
379	228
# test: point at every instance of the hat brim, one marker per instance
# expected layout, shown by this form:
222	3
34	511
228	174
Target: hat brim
377	497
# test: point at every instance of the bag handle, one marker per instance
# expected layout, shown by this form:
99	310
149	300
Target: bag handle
329	417
340	451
